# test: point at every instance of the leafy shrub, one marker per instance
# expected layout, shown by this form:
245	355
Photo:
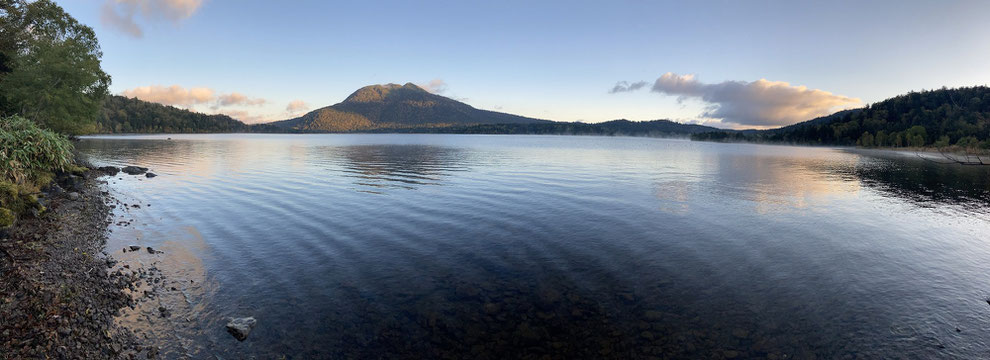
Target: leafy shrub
29	158
29	154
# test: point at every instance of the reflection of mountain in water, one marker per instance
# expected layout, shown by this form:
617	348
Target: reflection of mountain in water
396	166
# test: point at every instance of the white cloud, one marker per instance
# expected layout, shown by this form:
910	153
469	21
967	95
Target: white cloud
176	95
760	103
236	98
436	86
121	14
205	100
172	95
296	106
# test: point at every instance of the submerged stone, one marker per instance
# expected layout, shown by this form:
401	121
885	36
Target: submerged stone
241	327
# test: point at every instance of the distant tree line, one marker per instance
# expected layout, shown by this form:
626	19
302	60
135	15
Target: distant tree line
122	115
937	118
655	128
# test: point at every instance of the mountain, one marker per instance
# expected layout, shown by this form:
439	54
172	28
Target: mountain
129	115
940	118
393	106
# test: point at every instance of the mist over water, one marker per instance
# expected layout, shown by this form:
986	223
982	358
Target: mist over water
456	246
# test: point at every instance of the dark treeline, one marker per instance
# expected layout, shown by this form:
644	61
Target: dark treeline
122	115
937	118
656	128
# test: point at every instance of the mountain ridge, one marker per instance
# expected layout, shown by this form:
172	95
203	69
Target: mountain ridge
393	106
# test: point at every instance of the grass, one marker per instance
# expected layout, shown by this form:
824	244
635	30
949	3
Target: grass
29	159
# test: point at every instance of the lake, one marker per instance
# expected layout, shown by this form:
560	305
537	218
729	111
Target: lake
491	247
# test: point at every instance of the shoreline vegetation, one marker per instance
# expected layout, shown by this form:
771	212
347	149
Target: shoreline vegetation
58	295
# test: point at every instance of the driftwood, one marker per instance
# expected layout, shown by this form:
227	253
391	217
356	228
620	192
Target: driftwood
962	159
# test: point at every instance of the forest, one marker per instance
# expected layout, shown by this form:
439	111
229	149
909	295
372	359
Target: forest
942	118
124	115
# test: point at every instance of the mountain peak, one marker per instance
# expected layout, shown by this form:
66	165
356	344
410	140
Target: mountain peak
378	92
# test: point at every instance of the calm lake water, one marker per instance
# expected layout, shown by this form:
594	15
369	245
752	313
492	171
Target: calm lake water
449	246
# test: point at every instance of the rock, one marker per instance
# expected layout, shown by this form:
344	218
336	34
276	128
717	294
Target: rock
740	333
150	175
74	196
73	182
109	170
730	354
152	250
135	248
134	170
241	327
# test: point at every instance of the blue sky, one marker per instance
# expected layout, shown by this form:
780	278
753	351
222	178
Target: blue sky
553	60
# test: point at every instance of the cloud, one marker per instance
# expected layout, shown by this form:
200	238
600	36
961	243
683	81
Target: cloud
236	98
172	95
436	86
121	14
625	86
124	23
176	95
757	103
296	106
760	103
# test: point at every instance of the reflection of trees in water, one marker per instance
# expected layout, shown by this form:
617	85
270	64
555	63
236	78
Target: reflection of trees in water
193	157
403	166
925	183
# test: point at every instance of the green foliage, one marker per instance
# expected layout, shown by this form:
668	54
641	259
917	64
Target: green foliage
29	154
866	140
50	68
942	142
917	119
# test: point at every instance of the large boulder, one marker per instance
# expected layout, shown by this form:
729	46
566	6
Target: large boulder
241	327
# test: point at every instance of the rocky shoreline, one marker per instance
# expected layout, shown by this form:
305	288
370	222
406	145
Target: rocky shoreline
58	297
